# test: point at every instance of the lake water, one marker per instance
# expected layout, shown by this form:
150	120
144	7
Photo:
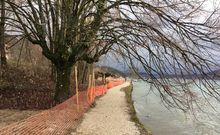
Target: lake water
161	121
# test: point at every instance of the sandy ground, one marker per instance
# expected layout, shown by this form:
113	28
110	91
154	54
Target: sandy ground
10	116
109	117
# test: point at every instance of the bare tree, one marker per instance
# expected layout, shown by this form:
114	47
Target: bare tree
2	33
165	36
63	29
175	48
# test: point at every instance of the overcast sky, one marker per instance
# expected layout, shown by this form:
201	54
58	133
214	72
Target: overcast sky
115	62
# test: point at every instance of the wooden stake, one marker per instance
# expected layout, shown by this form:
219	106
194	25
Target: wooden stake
104	79
93	78
77	88
89	85
89	89
90	77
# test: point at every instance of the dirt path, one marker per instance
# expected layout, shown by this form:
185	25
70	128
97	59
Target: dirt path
109	117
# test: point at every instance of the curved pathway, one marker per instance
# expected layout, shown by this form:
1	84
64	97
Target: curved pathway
109	117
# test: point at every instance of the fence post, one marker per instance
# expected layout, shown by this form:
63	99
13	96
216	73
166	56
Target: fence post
77	88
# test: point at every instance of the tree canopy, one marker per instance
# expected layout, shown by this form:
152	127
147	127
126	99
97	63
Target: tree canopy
177	37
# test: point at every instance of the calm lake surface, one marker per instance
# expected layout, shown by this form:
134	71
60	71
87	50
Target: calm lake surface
161	121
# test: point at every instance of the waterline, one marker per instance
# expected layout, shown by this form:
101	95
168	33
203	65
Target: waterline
162	121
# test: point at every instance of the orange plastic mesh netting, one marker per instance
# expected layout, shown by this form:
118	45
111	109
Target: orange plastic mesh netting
59	119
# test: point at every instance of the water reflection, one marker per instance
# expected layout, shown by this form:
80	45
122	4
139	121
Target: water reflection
162	121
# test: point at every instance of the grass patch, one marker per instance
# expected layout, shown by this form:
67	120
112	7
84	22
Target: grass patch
128	94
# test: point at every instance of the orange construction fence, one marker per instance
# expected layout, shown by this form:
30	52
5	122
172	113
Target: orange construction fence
93	92
61	118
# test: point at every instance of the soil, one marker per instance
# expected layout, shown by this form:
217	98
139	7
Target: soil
24	90
132	112
8	117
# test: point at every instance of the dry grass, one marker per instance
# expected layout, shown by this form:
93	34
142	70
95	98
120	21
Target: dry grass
128	94
8	117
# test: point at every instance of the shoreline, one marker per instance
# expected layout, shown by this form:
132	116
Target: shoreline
133	116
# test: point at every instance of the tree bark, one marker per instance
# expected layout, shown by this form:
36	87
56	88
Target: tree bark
62	90
2	37
84	73
53	72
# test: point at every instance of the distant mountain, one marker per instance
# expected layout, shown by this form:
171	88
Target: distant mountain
214	75
111	70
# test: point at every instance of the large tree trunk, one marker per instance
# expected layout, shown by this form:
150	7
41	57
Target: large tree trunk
84	73
62	91
2	31
53	72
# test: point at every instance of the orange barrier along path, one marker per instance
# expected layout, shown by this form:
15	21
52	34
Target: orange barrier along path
59	119
93	92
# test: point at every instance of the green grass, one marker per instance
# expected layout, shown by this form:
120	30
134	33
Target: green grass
128	94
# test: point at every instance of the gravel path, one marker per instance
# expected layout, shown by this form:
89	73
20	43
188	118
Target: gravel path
109	117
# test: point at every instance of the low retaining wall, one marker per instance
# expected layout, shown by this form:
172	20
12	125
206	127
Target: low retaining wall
59	119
